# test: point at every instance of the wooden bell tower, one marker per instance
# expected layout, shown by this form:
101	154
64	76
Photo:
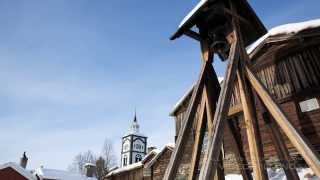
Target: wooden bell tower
226	28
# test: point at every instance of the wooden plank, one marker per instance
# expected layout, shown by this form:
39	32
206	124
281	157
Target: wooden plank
200	130
256	153
296	138
215	138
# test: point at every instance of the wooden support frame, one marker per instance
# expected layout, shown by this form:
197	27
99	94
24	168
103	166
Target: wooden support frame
246	80
215	137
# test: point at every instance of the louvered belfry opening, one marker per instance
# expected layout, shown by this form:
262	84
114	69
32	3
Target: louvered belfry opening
265	112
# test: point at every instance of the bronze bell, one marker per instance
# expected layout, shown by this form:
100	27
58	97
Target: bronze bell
219	43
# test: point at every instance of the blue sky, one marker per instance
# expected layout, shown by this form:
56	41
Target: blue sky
73	71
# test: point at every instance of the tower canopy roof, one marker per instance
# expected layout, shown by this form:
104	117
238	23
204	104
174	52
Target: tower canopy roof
250	32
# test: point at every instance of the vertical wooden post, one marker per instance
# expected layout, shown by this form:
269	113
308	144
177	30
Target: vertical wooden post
297	139
256	153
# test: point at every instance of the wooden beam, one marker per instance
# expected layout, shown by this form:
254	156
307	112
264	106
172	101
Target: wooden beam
235	110
238	151
255	149
193	35
187	125
297	139
206	55
200	131
221	113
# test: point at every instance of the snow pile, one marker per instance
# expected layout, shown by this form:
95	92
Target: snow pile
278	174
289	29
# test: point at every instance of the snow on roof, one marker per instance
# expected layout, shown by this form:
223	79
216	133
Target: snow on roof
181	100
89	164
19	169
192	12
125	168
153	152
59	174
288	29
169	146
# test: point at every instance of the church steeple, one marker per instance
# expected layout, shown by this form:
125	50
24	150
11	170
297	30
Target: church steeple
134	144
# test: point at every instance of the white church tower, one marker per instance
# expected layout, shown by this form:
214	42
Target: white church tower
134	145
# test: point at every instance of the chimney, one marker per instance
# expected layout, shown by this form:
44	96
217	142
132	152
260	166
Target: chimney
150	149
90	169
24	160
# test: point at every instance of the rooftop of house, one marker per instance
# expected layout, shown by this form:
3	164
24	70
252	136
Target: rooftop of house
59	174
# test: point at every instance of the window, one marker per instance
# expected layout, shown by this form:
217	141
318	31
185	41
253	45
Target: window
126	147
125	160
138	146
309	105
138	157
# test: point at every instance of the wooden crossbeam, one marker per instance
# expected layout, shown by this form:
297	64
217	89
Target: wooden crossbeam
302	145
255	148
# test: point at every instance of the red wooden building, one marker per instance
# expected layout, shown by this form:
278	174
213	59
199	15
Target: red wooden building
12	171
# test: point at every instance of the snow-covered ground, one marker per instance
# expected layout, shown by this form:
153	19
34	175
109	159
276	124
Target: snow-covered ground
304	173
